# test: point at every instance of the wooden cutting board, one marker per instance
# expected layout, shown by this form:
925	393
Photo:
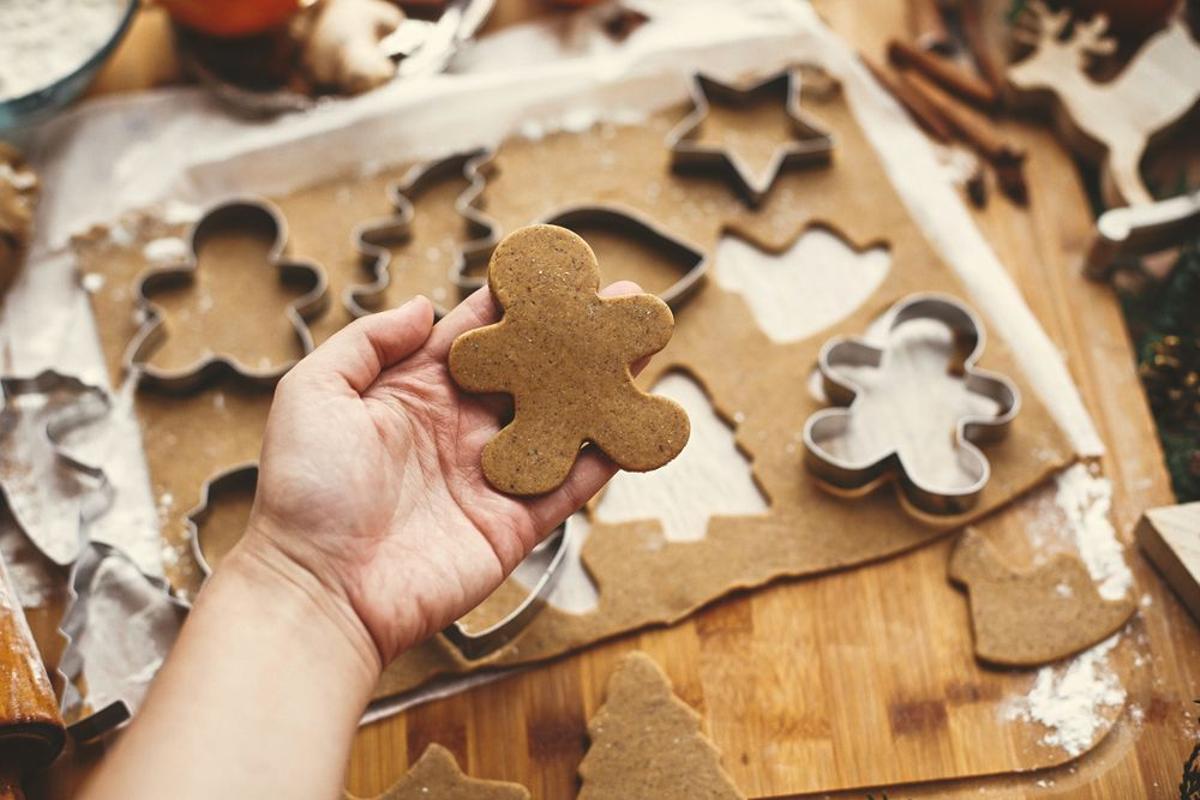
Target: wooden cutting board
809	685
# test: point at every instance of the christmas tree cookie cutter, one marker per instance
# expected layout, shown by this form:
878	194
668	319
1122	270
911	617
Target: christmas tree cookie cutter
692	261
887	463
372	239
471	644
811	144
247	213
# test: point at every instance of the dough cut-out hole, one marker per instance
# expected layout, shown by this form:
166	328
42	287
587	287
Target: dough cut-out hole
710	477
815	283
915	398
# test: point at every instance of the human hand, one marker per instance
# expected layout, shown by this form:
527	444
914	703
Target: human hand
370	477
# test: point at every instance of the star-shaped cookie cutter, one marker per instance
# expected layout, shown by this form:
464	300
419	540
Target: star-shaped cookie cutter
471	644
152	333
372	239
611	215
831	423
812	146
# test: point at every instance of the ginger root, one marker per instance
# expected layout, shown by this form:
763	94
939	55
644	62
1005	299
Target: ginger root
341	44
18	196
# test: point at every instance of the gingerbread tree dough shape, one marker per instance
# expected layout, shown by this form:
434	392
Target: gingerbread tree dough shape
647	743
1024	619
563	353
436	776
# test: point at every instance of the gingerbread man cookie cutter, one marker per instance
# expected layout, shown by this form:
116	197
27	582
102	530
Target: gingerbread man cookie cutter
887	463
563	353
812	144
247	213
372	239
471	644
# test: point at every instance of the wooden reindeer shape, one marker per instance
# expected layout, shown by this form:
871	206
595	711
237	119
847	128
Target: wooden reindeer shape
1109	122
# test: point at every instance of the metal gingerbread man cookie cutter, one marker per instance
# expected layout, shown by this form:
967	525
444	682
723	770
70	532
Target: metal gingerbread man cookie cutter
887	463
247	213
471	644
811	145
373	238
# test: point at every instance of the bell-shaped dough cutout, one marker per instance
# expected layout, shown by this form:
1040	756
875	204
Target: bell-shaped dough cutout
815	283
710	477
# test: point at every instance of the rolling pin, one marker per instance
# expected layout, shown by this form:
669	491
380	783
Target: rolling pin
32	733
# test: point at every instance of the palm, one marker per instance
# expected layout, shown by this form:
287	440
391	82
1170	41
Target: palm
382	468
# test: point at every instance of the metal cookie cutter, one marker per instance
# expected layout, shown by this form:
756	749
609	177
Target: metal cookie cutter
473	645
581	219
373	238
830	424
251	214
163	626
43	484
812	145
237	478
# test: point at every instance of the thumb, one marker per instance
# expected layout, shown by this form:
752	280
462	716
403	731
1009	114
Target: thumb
366	347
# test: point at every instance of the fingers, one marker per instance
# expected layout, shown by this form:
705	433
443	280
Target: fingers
364	348
477	310
591	471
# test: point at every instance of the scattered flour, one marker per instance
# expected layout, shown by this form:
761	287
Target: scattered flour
1086	500
1070	700
92	282
165	250
45	40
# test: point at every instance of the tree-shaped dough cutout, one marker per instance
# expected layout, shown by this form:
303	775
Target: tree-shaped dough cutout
647	744
711	477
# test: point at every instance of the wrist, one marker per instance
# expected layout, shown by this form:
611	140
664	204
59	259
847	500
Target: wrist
295	595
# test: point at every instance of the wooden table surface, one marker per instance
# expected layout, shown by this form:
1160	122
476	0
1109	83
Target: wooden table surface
531	727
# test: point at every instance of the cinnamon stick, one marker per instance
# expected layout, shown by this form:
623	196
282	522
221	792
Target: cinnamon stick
914	103
947	74
977	130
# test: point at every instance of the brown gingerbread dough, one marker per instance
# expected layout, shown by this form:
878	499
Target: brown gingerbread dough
1025	619
437	776
647	743
563	353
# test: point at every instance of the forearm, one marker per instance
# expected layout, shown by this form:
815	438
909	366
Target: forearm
260	697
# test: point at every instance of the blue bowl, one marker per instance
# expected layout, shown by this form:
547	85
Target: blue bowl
42	103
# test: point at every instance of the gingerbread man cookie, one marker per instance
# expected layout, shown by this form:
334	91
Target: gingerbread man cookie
563	353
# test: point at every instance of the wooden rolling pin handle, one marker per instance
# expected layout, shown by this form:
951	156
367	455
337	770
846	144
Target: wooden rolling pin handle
31	730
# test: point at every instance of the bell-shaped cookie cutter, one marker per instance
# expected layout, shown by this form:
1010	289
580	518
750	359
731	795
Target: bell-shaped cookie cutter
615	217
472	645
373	238
865	473
239	476
245	212
812	146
